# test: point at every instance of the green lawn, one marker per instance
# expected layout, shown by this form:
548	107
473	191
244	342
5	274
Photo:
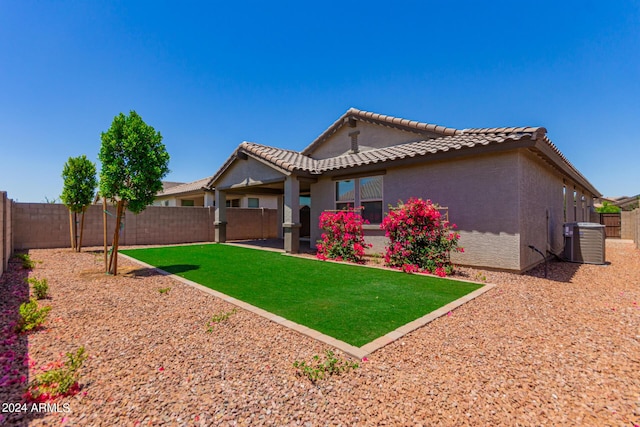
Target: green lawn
351	303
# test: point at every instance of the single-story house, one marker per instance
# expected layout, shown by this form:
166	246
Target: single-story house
628	203
185	194
197	194
505	188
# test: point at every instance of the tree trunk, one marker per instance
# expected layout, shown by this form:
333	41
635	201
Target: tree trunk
84	209
104	228
75	231
113	265
73	247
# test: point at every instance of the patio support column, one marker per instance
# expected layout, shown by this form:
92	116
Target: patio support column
291	225
220	222
280	217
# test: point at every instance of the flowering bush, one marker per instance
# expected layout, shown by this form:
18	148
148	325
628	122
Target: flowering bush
420	240
342	238
58	379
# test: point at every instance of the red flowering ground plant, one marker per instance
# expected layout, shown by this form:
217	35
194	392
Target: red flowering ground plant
420	240
342	237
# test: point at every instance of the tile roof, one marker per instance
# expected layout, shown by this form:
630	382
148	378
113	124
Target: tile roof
168	184
288	160
430	139
294	161
367	116
185	188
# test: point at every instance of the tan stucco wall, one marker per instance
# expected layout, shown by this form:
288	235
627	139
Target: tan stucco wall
371	136
248	172
540	191
43	225
266	201
480	192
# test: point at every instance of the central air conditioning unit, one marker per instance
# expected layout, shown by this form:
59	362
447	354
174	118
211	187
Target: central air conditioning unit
584	242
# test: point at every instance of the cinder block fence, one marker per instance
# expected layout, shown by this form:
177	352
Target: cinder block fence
6	240
45	225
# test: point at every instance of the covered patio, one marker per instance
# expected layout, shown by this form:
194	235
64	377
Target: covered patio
244	173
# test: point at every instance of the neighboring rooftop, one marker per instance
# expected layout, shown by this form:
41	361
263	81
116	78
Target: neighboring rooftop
168	184
180	188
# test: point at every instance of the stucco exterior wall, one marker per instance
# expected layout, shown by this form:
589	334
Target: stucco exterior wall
541	210
370	136
322	198
481	193
248	172
482	196
266	201
44	225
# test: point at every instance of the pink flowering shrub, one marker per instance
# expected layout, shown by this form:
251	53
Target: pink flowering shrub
420	240
342	237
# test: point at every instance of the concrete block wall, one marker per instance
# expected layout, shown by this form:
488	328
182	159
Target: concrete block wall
45	225
6	246
637	211
251	223
635	218
3	264
628	224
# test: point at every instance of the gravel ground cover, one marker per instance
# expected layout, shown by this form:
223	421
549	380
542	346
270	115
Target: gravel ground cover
533	351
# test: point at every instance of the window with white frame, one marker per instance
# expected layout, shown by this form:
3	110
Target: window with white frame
253	202
366	191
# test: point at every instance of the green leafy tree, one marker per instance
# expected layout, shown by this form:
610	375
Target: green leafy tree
607	207
79	175
134	161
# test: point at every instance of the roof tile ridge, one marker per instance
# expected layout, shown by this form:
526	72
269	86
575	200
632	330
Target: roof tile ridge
504	130
415	124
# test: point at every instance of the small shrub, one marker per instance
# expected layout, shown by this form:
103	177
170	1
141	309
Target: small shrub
319	370
31	315
40	287
479	277
219	318
164	290
607	207
342	237
27	262
60	380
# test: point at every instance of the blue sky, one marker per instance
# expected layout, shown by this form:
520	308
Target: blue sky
209	75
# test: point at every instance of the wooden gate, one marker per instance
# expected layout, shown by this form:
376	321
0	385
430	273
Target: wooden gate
612	223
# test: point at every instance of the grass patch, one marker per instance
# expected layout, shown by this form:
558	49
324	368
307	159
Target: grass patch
351	303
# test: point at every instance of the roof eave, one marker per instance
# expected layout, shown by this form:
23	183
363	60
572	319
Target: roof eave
553	154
